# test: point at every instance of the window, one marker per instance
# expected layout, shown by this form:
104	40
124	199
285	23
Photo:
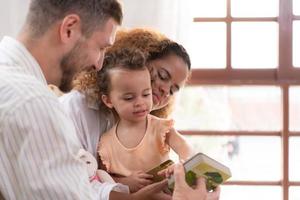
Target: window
242	105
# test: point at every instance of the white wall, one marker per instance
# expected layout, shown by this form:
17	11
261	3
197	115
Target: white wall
167	16
13	14
161	15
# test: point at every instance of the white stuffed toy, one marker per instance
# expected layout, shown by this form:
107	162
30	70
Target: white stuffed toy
94	173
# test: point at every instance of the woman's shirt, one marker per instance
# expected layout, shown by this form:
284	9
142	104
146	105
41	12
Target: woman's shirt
90	122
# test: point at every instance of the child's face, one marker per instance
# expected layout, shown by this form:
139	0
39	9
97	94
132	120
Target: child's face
131	94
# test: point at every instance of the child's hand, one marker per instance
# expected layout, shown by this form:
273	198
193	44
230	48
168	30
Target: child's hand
167	172
138	180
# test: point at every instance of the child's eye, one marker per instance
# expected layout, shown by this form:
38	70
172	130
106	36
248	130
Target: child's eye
127	98
146	95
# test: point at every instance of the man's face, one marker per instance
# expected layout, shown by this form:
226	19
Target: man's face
87	53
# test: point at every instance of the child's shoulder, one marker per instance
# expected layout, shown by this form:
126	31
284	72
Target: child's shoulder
156	120
109	133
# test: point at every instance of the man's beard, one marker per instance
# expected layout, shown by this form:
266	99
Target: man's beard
66	82
70	66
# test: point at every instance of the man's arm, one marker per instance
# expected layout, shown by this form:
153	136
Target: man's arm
40	144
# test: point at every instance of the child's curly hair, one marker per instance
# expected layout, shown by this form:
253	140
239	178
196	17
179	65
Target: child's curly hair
151	43
127	59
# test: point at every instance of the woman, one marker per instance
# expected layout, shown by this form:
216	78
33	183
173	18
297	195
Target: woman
169	66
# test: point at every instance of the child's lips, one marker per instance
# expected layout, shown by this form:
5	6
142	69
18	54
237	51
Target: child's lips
140	112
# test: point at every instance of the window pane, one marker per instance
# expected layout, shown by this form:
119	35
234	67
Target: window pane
294	108
251	193
254	8
208	45
254	45
229	108
294	158
294	193
208	8
296	7
249	158
296	43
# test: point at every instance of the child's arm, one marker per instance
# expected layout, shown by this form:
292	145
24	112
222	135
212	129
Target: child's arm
153	191
135	181
177	142
181	147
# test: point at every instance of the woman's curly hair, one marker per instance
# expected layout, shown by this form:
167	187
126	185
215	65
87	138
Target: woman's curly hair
151	43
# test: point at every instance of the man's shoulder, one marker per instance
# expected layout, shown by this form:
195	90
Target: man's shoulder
22	84
17	88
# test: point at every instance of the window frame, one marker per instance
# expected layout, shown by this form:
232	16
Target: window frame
284	76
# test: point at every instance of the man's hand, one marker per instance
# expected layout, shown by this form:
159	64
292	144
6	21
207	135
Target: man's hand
183	191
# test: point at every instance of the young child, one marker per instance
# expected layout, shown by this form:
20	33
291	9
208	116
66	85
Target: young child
138	141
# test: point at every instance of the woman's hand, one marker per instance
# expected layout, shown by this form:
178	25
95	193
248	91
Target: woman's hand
183	191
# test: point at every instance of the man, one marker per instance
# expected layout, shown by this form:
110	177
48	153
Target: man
38	144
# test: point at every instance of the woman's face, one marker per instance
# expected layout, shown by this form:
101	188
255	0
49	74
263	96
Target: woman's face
168	75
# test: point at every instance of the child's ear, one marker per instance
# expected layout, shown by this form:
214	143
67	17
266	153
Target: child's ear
106	100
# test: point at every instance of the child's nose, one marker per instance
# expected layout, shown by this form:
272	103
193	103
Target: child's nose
139	101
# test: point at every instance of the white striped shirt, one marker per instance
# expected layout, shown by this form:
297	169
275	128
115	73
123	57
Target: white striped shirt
38	144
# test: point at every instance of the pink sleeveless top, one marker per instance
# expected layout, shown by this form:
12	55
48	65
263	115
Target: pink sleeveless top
150	152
